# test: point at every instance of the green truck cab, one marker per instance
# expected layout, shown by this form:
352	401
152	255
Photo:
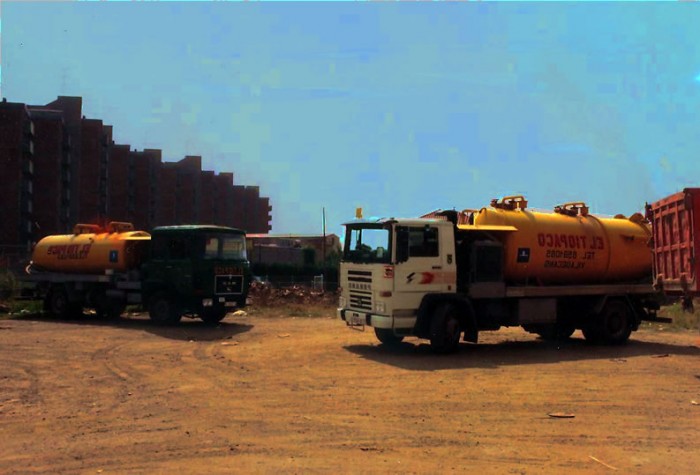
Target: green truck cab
195	270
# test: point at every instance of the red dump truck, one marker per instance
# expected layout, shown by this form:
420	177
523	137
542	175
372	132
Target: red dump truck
449	275
675	223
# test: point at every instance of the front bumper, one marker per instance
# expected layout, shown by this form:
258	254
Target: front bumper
354	318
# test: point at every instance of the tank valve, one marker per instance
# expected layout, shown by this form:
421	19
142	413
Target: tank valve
577	208
510	202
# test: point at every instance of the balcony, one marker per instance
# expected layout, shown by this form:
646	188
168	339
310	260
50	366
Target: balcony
28	168
29	130
28	147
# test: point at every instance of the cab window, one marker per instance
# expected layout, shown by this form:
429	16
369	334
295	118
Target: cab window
423	242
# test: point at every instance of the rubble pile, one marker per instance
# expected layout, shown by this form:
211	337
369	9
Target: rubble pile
265	294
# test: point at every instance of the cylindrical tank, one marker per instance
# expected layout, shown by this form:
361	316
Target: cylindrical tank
569	246
92	250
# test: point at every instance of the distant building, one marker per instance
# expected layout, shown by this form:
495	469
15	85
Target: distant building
289	248
17	171
60	168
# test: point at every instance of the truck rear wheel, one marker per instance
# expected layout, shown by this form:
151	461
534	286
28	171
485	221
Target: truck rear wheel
613	325
616	322
58	305
213	315
551	331
108	308
388	337
445	330
163	310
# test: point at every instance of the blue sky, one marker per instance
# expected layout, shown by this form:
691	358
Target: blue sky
396	108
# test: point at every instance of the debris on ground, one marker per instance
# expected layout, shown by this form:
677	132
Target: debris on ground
265	294
602	463
561	415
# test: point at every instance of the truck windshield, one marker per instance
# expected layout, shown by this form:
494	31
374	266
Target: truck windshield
367	245
225	246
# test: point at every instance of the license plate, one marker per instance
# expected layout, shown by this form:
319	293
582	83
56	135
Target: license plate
355	319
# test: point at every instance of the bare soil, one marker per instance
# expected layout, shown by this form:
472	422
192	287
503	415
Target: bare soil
269	392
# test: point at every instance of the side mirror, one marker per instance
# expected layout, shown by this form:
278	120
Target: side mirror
401	244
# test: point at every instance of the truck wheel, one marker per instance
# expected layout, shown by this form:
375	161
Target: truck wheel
57	304
162	310
591	333
387	336
444	329
615	322
613	325
551	332
213	315
110	309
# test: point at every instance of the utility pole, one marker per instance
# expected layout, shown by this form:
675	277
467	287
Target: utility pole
323	247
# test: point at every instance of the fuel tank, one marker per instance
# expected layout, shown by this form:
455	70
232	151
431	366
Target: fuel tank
92	249
569	245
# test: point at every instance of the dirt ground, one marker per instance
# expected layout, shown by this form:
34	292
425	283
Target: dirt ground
268	393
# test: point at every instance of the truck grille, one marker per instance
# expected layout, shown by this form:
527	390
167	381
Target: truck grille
360	289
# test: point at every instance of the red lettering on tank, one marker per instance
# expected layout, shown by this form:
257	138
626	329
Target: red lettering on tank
572	242
540	239
549	240
563	240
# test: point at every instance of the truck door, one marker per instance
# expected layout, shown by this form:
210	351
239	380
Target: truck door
170	267
425	259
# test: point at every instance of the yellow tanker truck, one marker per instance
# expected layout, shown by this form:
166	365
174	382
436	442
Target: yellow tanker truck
193	270
458	273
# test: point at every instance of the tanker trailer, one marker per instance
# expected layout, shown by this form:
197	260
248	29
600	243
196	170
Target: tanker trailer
569	245
454	274
92	250
174	271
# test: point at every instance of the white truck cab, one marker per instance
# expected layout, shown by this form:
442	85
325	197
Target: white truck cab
388	267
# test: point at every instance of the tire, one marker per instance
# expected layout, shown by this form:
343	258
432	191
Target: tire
107	308
162	310
445	329
615	322
213	315
552	332
387	337
110	309
592	334
612	326
57	304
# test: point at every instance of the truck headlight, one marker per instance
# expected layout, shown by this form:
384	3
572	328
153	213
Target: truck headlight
207	303
379	307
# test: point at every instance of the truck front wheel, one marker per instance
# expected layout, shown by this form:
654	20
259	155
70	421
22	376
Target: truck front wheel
445	329
213	315
388	337
163	310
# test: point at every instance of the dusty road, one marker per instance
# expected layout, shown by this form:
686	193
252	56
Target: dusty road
264	394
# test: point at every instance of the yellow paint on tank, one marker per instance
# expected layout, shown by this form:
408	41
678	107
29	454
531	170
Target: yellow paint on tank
569	246
91	252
